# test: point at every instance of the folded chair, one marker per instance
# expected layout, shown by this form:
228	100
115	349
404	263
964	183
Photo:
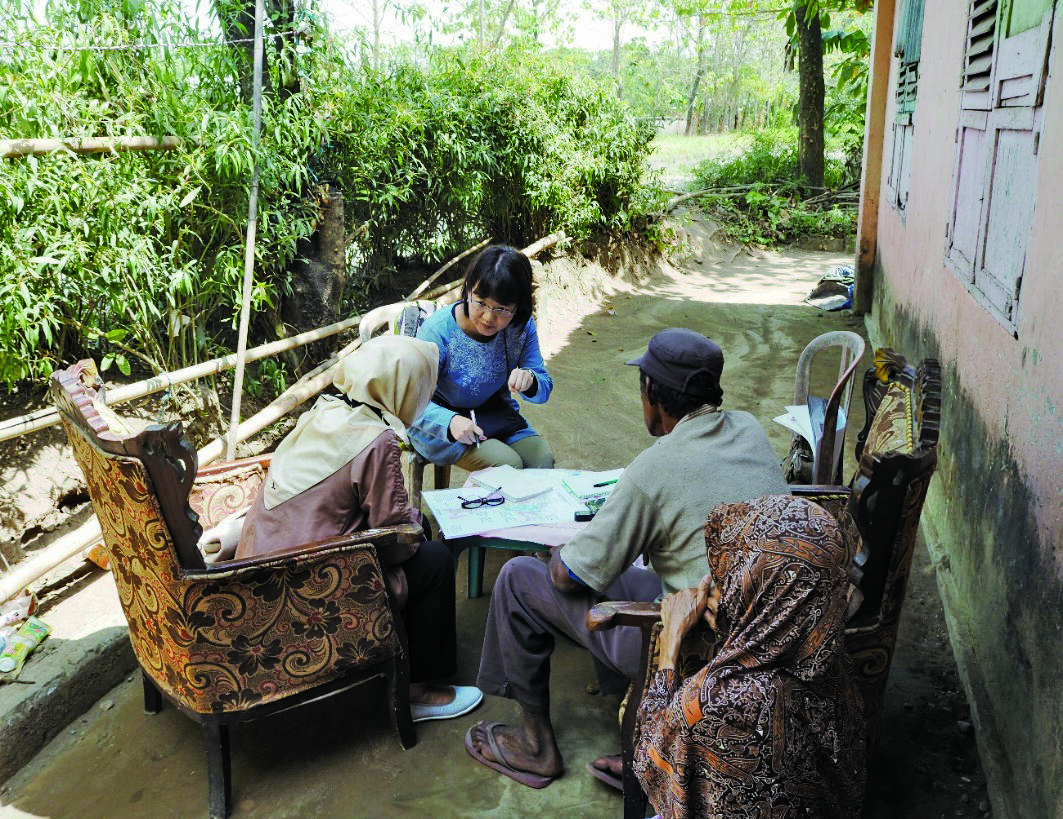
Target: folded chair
239	639
897	454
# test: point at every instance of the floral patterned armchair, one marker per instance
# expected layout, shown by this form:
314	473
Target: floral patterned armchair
880	509
242	638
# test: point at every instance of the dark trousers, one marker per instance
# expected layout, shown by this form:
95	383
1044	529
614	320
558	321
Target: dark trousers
429	613
528	614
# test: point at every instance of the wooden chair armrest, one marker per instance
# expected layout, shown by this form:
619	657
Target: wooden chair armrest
614	613
819	490
309	553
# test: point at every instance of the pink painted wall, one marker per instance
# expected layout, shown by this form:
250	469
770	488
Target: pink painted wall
1017	383
994	516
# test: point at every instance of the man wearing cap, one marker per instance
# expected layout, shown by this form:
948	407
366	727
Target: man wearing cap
703	456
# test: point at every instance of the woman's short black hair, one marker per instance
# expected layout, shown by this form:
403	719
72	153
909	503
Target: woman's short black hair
679	404
503	274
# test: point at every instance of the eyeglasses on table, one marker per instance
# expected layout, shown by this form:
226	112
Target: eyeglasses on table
492	498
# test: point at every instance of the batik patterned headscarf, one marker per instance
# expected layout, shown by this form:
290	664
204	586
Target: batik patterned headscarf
773	725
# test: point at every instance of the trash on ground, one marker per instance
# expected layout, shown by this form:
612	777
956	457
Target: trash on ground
835	290
20	645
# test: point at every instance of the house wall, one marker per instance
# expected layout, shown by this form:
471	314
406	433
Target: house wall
994	516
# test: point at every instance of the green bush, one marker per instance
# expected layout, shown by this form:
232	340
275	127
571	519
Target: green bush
137	258
501	145
759	196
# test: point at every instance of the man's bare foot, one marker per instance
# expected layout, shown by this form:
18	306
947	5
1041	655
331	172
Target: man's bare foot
425	694
533	750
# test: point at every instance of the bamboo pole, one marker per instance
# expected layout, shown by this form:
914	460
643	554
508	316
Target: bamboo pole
88	534
535	248
530	251
14	148
42	418
424	285
249	245
309	385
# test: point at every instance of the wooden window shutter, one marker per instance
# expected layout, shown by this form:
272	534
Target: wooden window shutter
978	56
908	52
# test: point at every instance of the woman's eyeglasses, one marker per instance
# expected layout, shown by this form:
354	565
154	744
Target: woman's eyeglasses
492	498
500	312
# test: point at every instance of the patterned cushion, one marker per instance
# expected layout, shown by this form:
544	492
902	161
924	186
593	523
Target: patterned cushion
241	637
217	496
892	429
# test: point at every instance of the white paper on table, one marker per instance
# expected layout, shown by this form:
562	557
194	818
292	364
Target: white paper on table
586	484
518	484
553	506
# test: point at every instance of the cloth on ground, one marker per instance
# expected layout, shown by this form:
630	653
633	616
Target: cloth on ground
834	291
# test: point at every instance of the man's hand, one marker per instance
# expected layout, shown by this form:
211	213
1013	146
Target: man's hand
520	380
559	575
680	611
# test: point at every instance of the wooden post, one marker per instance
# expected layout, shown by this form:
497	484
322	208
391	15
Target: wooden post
874	136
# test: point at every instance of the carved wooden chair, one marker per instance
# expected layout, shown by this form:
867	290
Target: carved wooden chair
897	454
243	638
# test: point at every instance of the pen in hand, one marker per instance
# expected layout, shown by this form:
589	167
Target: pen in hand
472	414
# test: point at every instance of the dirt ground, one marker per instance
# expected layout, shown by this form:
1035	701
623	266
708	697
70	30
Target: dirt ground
114	761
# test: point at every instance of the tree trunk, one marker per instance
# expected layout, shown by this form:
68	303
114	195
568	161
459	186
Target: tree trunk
698	74
238	23
318	276
810	106
237	19
617	23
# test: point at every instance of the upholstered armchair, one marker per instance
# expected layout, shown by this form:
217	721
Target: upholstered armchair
897	455
239	639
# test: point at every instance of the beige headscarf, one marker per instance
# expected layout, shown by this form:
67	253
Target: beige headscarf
396	374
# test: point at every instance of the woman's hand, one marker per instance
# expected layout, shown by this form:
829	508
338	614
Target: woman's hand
520	380
464	431
680	611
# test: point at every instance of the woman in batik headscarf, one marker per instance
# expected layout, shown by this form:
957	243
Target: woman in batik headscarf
773	725
339	471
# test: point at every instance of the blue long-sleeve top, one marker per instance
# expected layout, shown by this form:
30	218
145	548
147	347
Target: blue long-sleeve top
470	372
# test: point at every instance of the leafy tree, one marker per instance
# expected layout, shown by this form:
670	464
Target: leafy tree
805	22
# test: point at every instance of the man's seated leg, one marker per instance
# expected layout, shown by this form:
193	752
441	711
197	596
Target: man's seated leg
527	614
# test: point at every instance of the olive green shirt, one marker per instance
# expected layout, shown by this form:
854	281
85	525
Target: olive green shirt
661	501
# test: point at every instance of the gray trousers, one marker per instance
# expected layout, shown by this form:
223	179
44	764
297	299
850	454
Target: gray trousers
528	614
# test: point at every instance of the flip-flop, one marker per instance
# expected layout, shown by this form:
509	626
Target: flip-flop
532	780
606	777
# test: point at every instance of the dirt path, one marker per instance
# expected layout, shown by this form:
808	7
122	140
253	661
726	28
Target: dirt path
109	762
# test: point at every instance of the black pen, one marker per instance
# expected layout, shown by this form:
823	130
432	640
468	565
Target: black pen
606	483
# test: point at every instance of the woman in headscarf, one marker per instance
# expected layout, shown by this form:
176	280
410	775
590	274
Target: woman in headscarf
773	725
339	471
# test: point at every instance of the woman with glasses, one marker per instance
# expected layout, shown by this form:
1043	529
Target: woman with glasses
488	353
